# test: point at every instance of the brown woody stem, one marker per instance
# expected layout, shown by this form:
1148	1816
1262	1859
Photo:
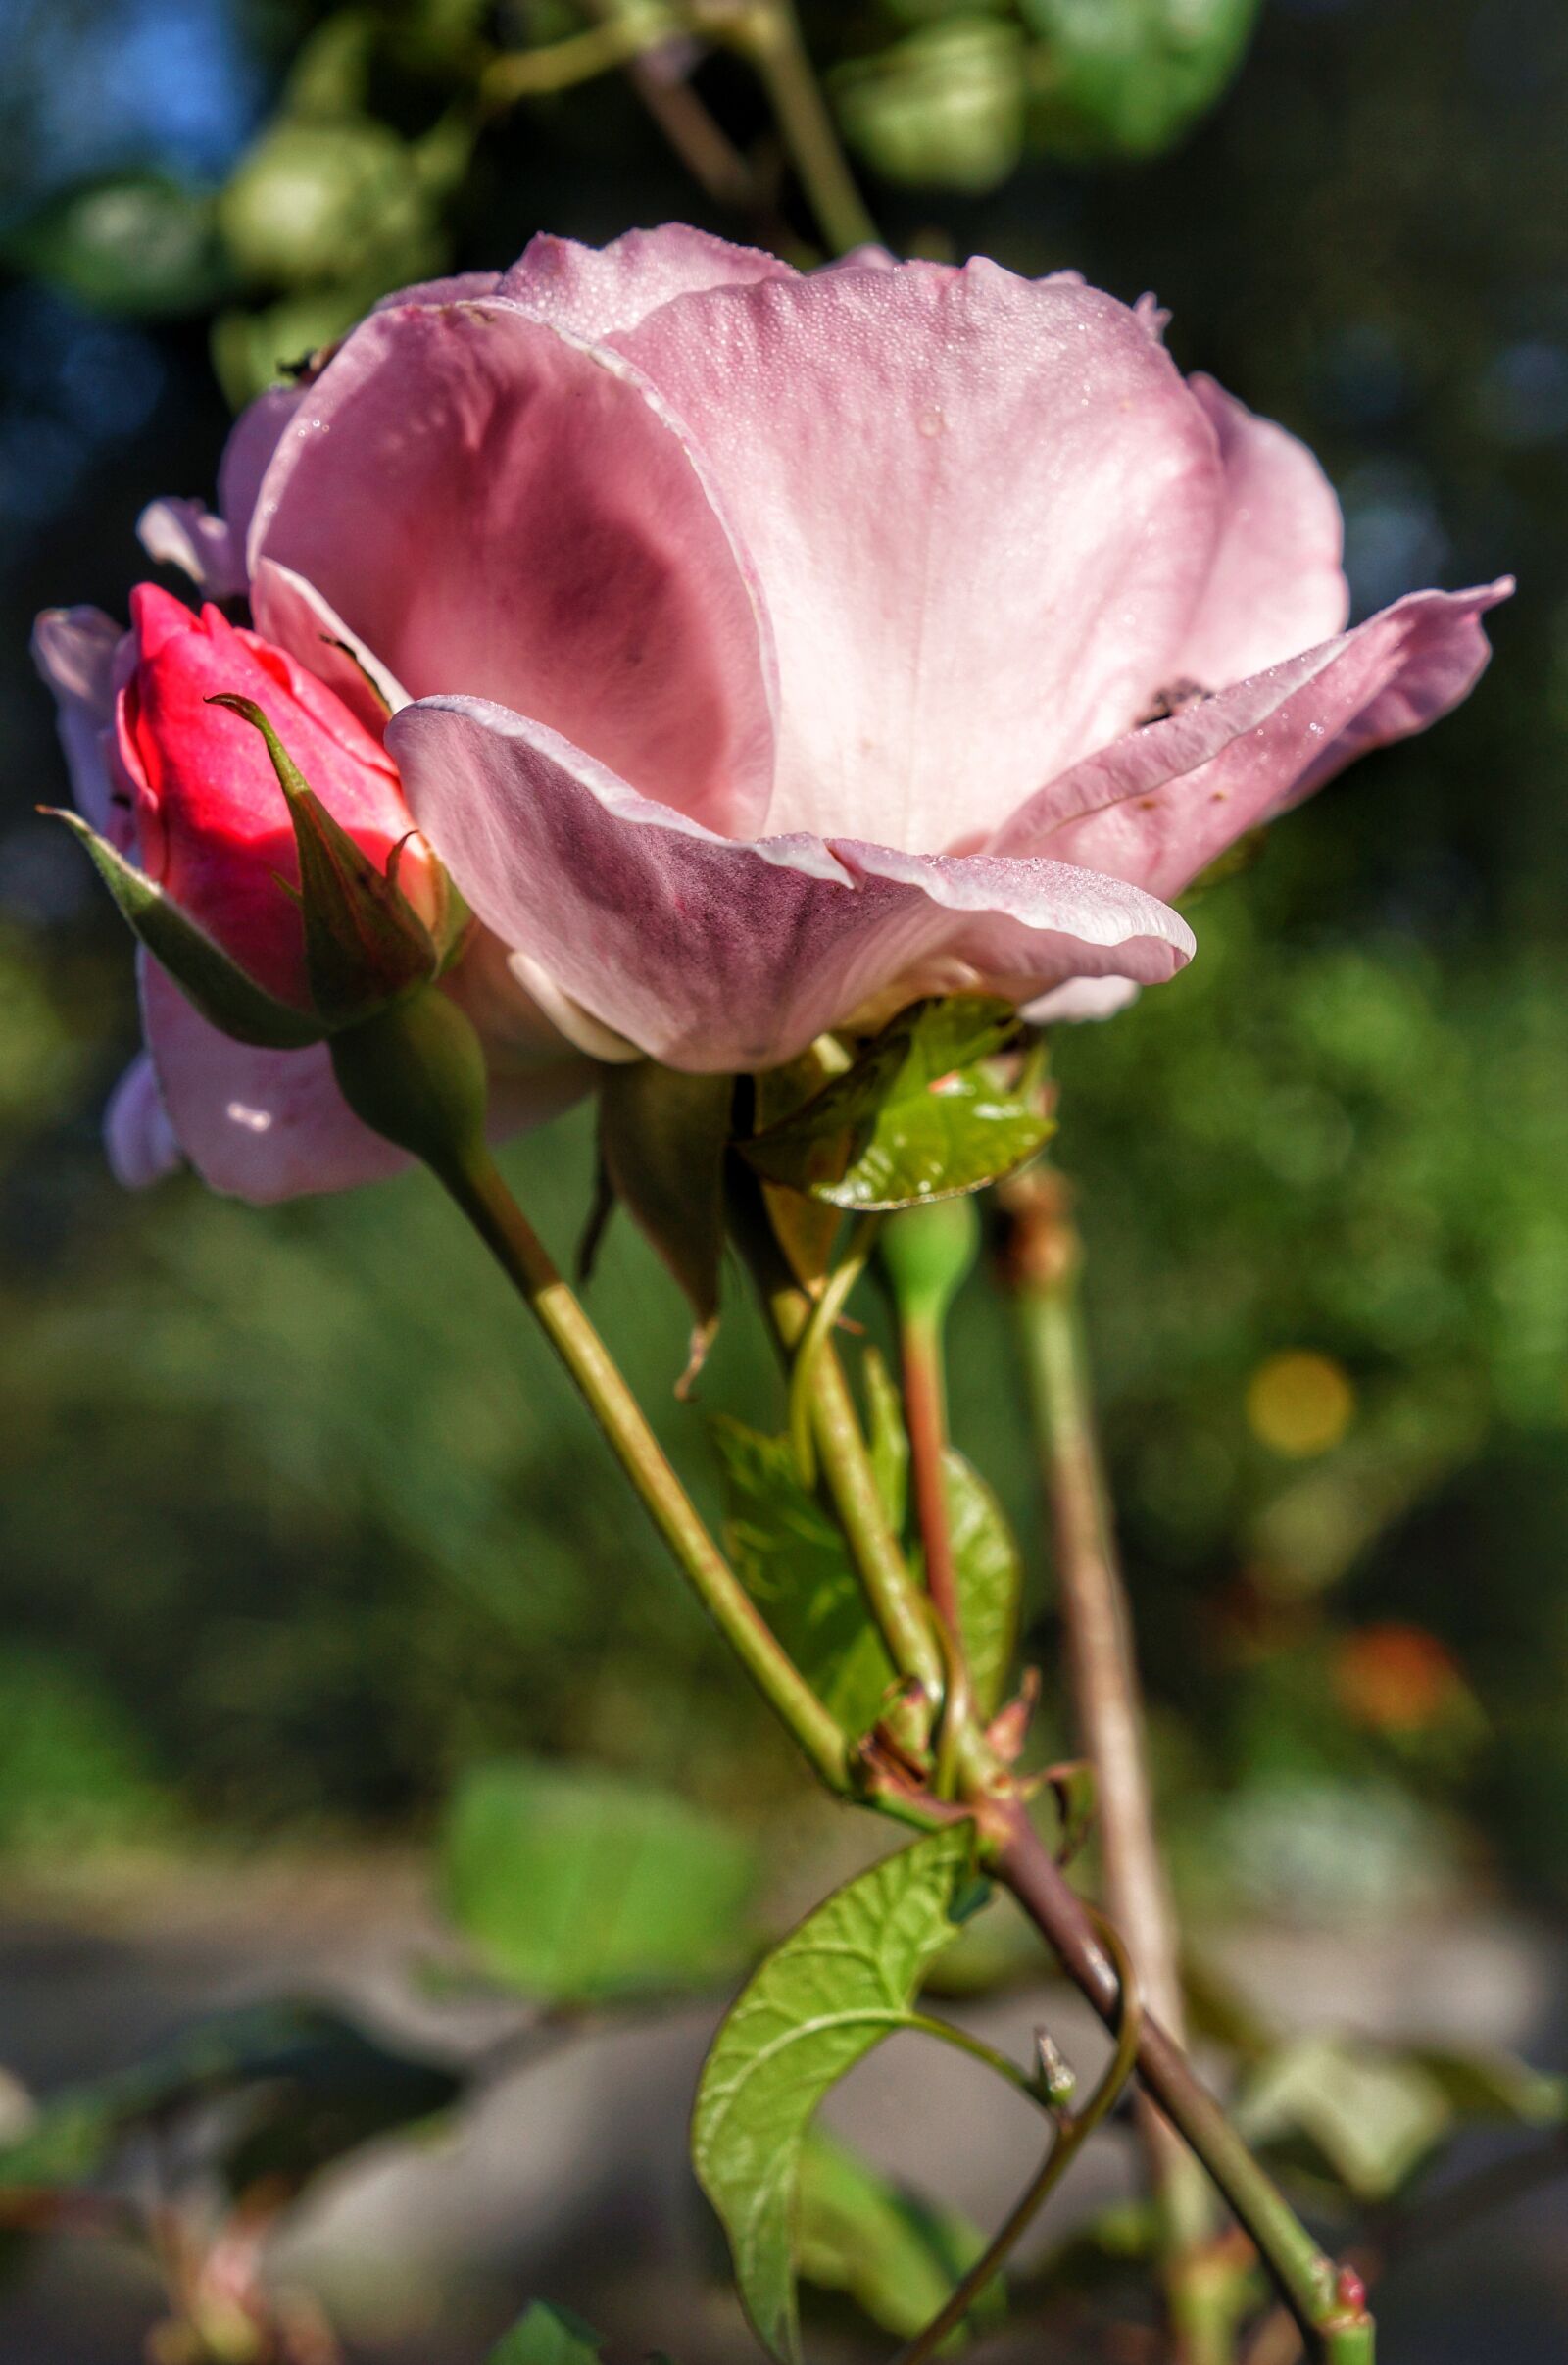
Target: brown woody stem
1044	1265
1328	2303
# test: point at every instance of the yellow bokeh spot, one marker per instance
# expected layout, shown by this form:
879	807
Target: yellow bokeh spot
1300	1403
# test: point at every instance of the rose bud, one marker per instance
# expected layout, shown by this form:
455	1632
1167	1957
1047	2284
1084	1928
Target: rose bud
227	757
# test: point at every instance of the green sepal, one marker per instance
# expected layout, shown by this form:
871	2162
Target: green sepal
549	2335
415	1073
662	1139
217	986
365	943
804	1228
935	1105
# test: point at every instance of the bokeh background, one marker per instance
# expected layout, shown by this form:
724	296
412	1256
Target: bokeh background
296	1520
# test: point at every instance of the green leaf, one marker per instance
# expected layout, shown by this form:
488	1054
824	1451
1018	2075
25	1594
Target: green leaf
1127	77
792	1561
574	1883
1076	1792
990	1578
134	243
1372	2114
209	981
365	943
1482	2084
927	1111
944	108
839	1985
1368	2115
663	1138
897	2256
304	2086
549	2335
315	200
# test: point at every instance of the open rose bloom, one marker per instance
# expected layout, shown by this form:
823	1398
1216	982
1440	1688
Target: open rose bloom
762	650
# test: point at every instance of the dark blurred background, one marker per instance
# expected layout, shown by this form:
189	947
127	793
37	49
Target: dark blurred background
297	1518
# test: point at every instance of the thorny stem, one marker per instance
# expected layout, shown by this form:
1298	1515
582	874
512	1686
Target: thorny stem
480	1191
1043	1263
412	1075
768	32
1397	2233
1328	2303
1073	2129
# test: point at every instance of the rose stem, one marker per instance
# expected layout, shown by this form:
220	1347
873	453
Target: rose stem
769	34
893	1597
480	1191
1328	2303
1073	2129
1044	1261
926	1414
518	73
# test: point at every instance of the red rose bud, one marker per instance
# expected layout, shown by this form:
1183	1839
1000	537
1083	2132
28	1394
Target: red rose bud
221	835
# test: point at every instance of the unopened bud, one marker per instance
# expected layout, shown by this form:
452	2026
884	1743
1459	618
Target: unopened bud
928	1254
1054	2075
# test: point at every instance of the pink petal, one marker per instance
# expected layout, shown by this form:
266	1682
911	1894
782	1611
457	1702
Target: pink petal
269	1125
981	509
1275	586
1161	802
495	509
247	455
459	287
75	650
595	291
186	535
138	1138
714	954
261	1125
257	431
1080	1000
293	615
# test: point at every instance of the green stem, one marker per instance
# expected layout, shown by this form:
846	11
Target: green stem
978	2050
769	34
1045	1266
831	1300
534	72
479	1190
1074	2129
893	1597
1328	2305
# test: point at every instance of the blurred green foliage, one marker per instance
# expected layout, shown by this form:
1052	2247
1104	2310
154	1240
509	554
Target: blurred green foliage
298	1519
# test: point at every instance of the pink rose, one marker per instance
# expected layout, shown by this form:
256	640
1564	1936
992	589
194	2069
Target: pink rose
767	649
186	788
